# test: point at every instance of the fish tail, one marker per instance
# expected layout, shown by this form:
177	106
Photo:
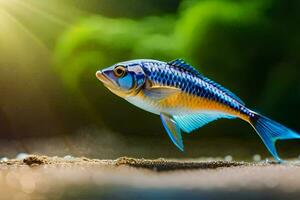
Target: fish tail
271	131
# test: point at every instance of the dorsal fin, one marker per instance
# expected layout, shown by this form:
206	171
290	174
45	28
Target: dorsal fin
180	63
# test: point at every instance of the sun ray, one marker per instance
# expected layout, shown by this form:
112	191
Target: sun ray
43	13
24	29
41	20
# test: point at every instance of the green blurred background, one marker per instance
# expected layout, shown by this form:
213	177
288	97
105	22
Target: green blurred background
51	103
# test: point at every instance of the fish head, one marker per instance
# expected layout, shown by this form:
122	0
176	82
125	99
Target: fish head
123	79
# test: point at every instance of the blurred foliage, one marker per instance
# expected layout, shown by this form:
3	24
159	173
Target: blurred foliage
248	46
130	8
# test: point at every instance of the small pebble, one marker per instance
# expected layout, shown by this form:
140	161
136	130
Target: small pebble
4	159
228	158
22	156
256	158
68	157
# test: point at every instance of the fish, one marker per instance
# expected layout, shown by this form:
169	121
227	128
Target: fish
185	99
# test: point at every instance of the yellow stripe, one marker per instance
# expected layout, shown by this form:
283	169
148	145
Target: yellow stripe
182	100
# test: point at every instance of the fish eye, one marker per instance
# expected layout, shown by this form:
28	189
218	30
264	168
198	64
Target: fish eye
119	71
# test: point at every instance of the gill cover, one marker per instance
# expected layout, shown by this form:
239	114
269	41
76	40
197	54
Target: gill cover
138	77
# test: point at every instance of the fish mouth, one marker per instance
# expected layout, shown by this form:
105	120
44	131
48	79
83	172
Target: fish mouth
111	85
104	79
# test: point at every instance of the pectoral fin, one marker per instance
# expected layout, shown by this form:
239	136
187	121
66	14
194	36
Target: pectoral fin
172	129
160	92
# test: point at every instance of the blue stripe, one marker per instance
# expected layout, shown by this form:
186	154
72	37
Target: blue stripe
164	74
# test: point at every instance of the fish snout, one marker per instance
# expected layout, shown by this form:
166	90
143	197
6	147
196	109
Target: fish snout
99	74
102	77
105	76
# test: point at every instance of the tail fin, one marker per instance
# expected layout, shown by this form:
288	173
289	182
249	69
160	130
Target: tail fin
271	131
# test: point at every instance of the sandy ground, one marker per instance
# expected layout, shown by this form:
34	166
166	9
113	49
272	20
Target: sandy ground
42	177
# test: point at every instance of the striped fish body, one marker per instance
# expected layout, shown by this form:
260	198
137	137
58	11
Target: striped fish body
185	99
196	93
